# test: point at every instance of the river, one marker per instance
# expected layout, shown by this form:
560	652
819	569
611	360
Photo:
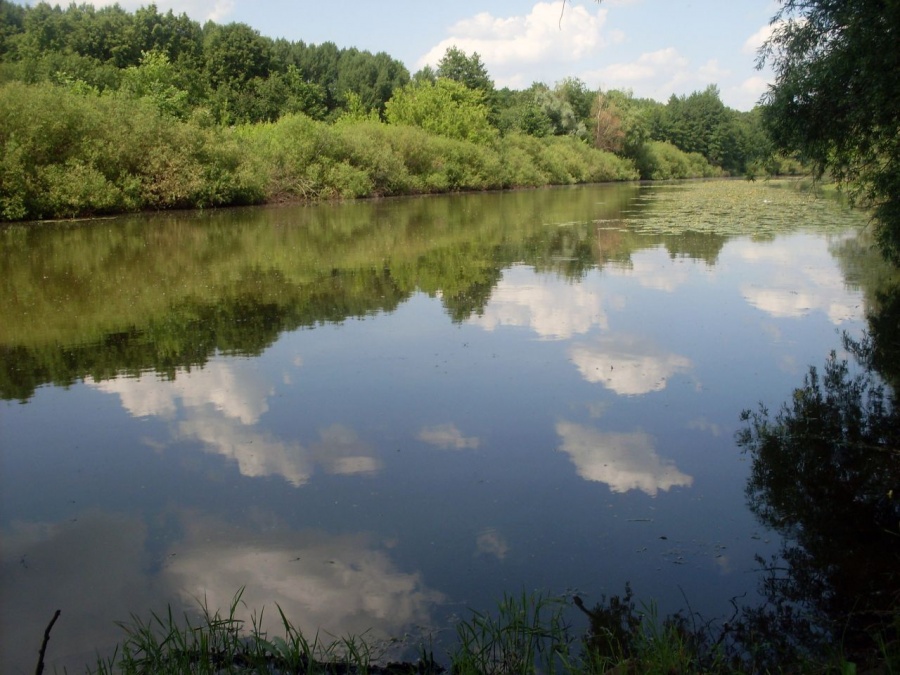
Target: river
383	414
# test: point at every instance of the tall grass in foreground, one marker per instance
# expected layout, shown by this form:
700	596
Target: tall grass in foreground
527	634
223	644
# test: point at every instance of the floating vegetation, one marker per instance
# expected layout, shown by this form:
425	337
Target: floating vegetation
733	207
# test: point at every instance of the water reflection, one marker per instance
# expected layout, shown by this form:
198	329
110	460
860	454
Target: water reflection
624	461
627	364
490	542
788	290
552	308
446	437
95	566
92	565
218	406
360	411
233	390
654	269
345	583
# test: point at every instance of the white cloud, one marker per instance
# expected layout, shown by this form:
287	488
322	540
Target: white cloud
660	73
755	41
747	93
340	451
790	291
203	10
656	65
624	461
552	308
256	454
234	388
627	365
703	424
653	268
509	45
447	436
335	584
219	406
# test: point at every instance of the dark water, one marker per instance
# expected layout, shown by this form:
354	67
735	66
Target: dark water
379	415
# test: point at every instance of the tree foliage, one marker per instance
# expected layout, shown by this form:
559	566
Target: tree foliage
446	107
836	98
826	476
468	70
207	82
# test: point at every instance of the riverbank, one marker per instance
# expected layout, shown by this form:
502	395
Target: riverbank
71	153
527	633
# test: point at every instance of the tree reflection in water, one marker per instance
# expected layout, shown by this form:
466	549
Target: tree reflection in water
826	476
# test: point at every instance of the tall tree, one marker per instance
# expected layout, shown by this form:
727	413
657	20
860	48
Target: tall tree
469	70
836	97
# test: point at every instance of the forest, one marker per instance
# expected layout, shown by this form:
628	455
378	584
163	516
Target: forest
110	111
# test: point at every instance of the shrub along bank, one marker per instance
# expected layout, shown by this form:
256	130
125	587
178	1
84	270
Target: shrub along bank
69	151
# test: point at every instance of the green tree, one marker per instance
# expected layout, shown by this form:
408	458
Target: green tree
235	54
157	80
320	64
564	119
469	70
836	98
372	77
179	37
576	93
447	108
12	23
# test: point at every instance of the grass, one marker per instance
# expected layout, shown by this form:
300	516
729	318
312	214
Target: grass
218	643
528	633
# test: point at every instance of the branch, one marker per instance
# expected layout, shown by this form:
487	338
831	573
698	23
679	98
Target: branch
40	663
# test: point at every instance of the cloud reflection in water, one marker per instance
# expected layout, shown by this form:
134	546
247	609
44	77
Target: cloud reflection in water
219	406
627	365
624	461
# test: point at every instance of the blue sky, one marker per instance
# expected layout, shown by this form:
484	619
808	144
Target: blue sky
653	47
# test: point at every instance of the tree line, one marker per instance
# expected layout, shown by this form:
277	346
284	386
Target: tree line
232	90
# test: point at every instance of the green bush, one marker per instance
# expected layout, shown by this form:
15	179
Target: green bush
68	154
660	160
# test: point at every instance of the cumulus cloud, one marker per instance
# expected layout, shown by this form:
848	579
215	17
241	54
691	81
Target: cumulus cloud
703	424
658	74
340	451
627	365
624	461
447	437
755	41
511	45
748	92
552	308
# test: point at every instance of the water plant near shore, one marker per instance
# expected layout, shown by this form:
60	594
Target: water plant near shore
528	633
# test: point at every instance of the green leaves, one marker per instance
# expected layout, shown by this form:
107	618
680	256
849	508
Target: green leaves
836	98
446	108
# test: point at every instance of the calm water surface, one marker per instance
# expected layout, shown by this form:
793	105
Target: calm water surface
379	415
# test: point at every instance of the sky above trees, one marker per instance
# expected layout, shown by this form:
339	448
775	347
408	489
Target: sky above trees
653	47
